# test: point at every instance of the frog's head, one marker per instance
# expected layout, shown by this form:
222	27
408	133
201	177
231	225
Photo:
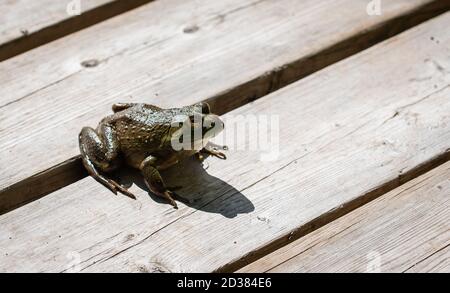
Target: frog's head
200	125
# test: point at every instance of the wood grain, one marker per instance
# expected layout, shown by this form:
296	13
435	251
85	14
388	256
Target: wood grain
28	24
348	134
407	229
437	262
170	53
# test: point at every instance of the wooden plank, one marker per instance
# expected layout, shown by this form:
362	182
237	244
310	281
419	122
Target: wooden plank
349	133
28	24
397	232
242	50
435	263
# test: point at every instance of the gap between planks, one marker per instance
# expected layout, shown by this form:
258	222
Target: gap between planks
66	26
67	172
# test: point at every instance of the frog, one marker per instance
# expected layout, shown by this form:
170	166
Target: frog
141	135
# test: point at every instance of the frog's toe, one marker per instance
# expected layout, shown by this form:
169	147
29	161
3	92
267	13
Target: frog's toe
107	183
124	191
220	155
168	195
115	187
215	153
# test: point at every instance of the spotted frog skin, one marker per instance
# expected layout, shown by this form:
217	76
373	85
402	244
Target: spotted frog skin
140	135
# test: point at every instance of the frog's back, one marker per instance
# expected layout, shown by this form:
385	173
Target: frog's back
141	127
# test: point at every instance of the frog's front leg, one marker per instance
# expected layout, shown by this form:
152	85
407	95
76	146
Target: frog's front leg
149	168
99	151
211	152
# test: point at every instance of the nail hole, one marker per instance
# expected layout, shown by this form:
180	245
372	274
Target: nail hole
191	29
24	32
90	63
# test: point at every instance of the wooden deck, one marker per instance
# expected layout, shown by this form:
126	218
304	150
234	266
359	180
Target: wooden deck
361	182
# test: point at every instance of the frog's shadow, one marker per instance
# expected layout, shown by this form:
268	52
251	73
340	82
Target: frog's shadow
199	190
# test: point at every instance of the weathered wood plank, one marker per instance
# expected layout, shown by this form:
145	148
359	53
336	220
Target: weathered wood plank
398	232
348	134
28	24
436	263
170	53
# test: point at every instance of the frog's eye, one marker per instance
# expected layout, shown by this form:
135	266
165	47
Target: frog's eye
206	109
203	107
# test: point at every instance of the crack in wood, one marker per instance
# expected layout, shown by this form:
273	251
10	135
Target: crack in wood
40	89
427	257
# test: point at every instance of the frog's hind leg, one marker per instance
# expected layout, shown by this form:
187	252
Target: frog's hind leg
101	152
154	181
